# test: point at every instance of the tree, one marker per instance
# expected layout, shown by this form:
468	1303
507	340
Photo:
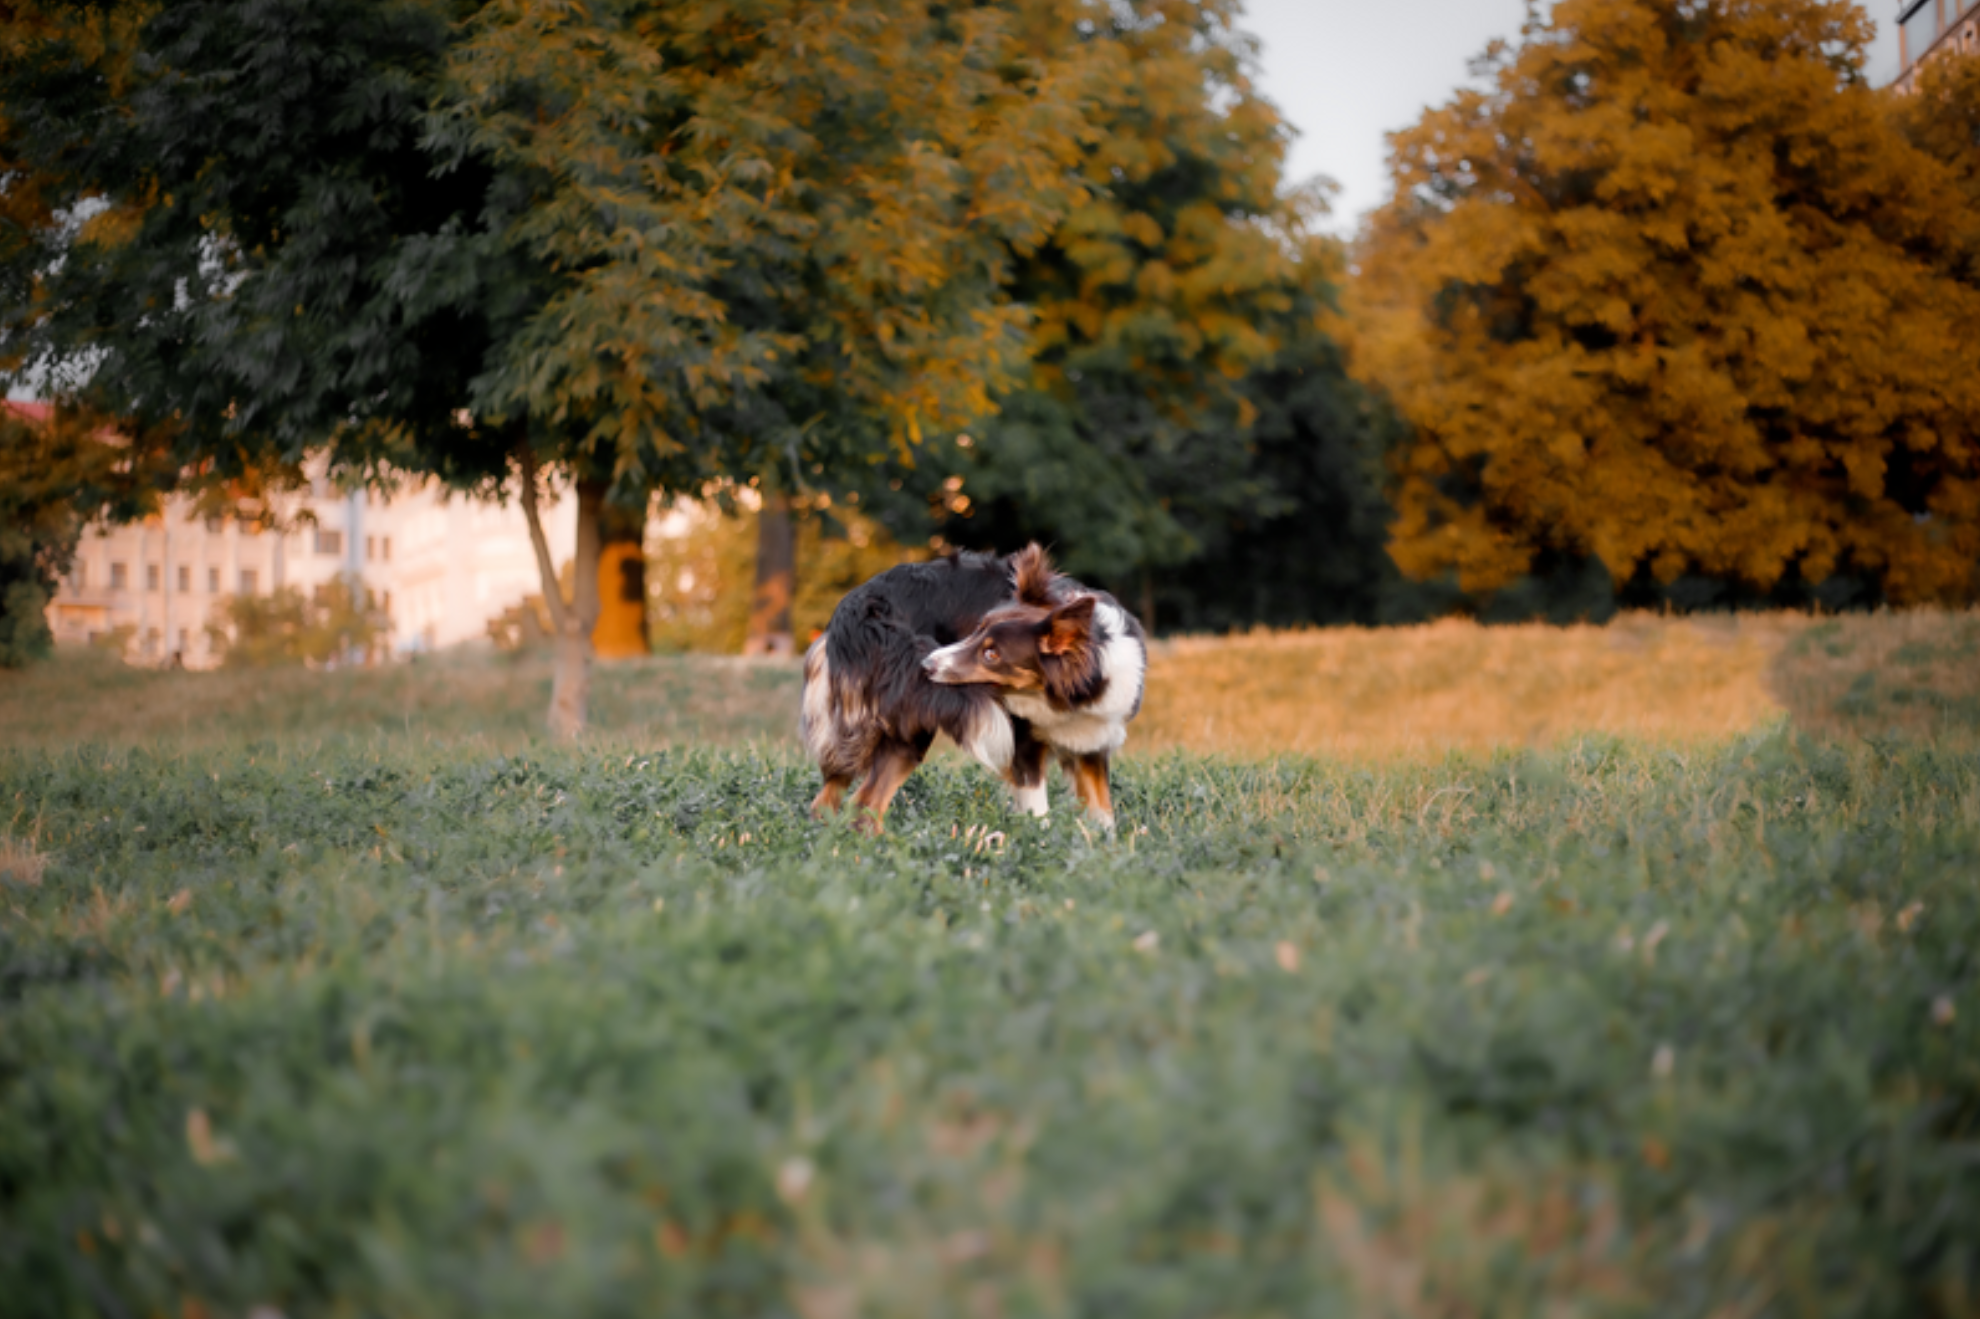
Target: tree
59	470
1280	520
1942	119
631	247
1670	292
1130	441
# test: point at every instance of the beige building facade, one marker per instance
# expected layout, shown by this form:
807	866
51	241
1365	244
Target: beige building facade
438	565
1931	29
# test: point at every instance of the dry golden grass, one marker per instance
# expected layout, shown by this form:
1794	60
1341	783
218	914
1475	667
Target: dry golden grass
1352	692
21	863
1365	692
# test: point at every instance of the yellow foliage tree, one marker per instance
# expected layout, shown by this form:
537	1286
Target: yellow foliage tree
1675	291
1942	119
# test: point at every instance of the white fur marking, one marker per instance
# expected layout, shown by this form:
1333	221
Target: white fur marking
990	738
815	721
1032	799
944	661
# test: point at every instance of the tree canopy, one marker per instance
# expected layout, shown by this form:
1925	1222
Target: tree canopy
61	469
1181	404
635	245
1672	290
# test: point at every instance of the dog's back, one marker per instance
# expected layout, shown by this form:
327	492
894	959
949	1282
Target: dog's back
863	680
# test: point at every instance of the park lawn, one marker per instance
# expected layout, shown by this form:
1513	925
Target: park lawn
363	1025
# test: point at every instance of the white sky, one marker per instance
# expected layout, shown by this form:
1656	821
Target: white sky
1346	72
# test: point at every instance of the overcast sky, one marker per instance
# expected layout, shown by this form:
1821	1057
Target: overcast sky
1345	72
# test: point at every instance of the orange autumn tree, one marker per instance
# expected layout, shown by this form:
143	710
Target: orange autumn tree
1675	292
1942	119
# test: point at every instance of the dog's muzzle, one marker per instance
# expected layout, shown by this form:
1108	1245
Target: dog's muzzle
939	666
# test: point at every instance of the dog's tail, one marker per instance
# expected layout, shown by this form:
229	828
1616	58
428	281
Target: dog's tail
863	681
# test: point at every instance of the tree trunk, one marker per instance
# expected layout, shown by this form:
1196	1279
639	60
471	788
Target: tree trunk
570	689
621	632
776	578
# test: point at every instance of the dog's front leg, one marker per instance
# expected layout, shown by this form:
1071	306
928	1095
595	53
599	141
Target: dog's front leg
1094	786
1026	774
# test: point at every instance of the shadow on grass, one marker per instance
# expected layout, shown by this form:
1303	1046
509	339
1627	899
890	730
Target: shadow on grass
1914	676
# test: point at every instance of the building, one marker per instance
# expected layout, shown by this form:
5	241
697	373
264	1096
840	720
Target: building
1928	29
439	566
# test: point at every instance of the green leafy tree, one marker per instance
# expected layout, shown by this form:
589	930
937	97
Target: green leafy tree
1271	510
625	247
1185	422
1671	293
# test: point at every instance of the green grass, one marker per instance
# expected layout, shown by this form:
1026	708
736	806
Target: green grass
390	1027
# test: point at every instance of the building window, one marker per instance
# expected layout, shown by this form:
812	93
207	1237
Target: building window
1921	29
329	541
151	576
78	576
119	577
151	641
370	548
185	578
213	580
247	581
388	604
213	526
385	548
185	640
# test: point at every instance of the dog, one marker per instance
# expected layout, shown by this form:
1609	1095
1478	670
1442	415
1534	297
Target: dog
1008	657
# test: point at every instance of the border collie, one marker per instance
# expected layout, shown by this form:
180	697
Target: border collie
1006	656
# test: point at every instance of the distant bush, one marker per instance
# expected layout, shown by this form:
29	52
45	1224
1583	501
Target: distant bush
699	584
337	622
524	625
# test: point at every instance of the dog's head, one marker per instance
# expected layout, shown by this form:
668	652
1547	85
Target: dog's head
1022	647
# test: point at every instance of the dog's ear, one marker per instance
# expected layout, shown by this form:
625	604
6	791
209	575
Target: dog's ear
1068	628
1032	575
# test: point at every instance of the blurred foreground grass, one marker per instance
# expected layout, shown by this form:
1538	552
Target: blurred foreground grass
342	994
1346	691
1610	1029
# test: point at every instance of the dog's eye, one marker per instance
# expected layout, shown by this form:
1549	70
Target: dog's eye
989	654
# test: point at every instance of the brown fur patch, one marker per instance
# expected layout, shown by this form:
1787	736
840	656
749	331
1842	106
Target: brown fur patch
1071	632
1033	576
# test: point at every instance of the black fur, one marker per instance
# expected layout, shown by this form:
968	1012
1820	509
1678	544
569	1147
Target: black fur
875	643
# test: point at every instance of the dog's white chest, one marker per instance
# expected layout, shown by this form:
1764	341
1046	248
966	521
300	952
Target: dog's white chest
1067	730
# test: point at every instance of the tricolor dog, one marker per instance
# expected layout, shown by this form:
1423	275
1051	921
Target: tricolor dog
1009	658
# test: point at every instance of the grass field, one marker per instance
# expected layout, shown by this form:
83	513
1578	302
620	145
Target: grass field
1359	693
309	1014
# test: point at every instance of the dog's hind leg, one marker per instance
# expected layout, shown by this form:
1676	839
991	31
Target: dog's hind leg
892	762
829	796
1026	774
